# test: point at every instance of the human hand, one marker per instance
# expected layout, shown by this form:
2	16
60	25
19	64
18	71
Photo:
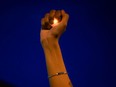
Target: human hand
53	24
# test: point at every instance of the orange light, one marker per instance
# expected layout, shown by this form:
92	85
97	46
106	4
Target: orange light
55	22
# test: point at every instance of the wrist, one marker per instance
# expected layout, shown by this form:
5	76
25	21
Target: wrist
49	43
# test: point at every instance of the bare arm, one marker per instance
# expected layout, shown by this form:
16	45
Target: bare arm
54	60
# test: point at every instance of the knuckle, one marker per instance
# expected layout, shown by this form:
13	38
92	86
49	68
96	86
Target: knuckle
47	14
42	19
52	10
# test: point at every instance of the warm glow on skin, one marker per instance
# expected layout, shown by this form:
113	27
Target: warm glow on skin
55	22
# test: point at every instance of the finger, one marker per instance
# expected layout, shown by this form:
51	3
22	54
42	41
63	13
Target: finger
58	15
46	26
52	13
47	18
51	16
42	21
65	17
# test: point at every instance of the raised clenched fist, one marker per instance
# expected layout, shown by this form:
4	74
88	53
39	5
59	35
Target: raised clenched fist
53	24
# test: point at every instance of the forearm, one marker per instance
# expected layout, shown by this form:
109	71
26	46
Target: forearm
55	63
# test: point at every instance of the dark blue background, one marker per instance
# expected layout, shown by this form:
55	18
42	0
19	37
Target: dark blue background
88	45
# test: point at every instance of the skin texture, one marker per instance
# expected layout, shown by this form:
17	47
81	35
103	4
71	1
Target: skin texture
49	37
